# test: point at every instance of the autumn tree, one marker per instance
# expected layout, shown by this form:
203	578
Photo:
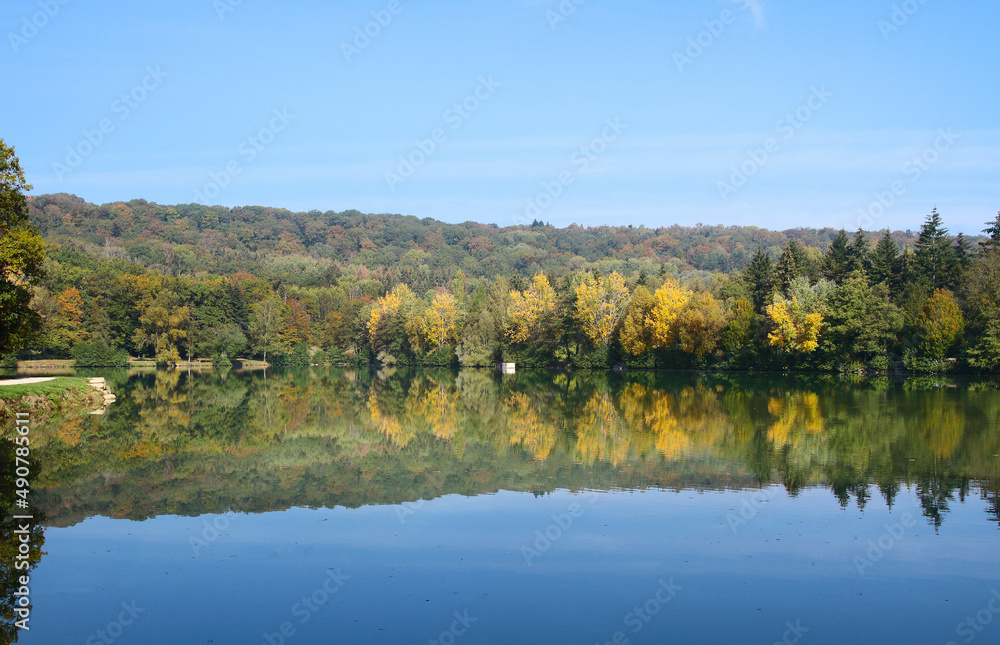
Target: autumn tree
265	322
387	322
700	323
636	337
795	323
333	328
532	311
668	302
600	305
21	255
295	326
65	328
440	322
163	324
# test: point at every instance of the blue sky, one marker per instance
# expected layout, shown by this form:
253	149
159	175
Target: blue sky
778	114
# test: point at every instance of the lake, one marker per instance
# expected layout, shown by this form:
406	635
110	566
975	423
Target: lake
421	506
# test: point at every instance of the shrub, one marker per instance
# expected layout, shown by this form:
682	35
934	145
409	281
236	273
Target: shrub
98	353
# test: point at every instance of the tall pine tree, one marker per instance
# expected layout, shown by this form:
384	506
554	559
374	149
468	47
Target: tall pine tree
934	255
885	260
791	265
760	280
857	253
836	260
993	231
963	251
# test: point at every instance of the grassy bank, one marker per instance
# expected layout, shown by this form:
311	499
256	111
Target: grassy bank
64	394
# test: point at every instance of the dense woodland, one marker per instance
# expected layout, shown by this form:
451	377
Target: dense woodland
190	281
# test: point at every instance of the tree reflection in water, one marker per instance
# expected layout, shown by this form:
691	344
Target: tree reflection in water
197	443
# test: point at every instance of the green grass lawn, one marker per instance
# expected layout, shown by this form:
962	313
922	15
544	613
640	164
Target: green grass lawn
57	386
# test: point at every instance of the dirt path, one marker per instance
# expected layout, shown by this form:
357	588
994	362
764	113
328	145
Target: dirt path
27	381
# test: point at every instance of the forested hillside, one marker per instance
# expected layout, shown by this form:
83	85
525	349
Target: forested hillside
302	248
186	281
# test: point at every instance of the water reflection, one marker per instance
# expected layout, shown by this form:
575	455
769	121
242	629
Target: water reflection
18	537
186	444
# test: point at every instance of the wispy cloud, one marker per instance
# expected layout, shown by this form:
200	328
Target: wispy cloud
756	9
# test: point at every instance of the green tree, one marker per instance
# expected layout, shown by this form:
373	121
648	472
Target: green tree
21	256
227	340
885	260
940	324
992	231
163	324
480	342
861	323
963	251
934	254
836	261
983	308
738	333
792	264
760	280
858	254
484	333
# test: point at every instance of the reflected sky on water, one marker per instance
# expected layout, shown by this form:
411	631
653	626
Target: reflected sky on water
420	506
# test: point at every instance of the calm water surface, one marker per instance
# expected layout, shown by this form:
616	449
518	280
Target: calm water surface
353	506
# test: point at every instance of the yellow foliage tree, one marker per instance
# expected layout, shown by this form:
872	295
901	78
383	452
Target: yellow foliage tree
440	321
700	324
400	299
634	335
600	305
67	323
528	309
668	301
794	329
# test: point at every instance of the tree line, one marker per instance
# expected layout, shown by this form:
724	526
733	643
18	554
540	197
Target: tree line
272	285
862	304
